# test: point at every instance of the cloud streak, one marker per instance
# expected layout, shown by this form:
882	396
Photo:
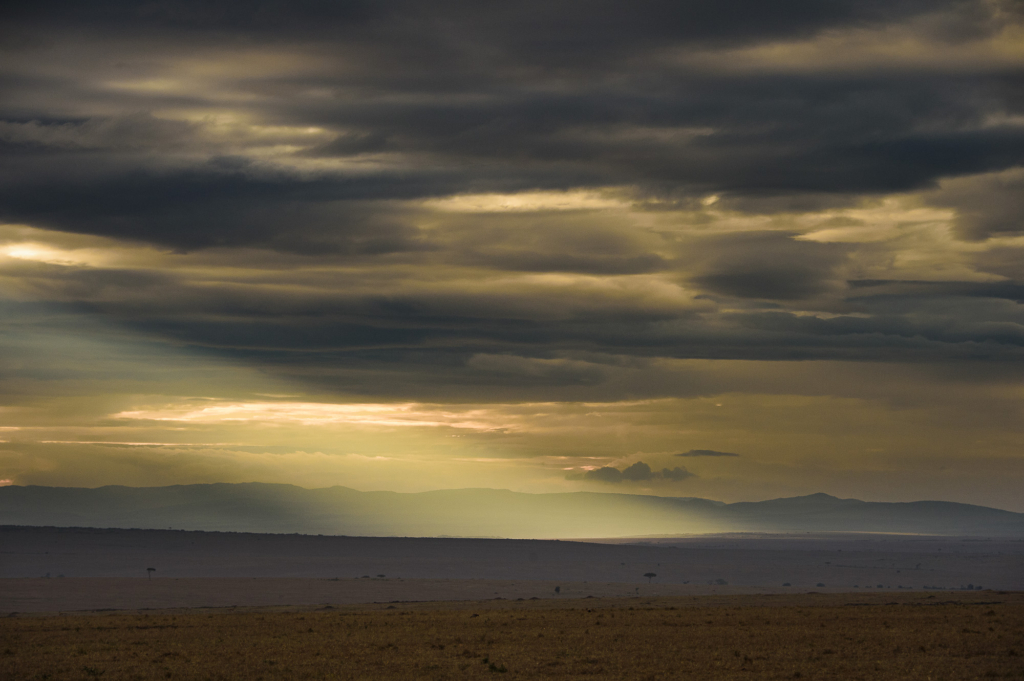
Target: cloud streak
319	414
705	452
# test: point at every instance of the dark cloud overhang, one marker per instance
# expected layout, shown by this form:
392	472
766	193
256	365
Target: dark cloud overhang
765	134
229	201
907	319
211	206
496	122
420	356
765	282
876	289
768	265
986	206
540	31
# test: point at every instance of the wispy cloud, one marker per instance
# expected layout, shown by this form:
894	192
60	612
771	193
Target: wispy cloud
705	452
320	414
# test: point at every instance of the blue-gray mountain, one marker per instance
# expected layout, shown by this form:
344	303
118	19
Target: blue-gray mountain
259	507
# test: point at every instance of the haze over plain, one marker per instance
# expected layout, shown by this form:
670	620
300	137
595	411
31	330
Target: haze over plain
736	251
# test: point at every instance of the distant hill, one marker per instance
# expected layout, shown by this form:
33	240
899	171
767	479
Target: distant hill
260	507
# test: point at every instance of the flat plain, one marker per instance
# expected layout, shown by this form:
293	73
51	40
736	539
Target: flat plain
81	604
837	561
961	635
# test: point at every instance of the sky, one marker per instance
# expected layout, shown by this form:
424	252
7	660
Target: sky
734	250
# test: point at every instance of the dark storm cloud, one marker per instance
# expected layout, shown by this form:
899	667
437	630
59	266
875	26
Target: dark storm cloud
535	27
558	241
405	101
937	290
726	132
111	133
705	452
505	344
457	88
767	265
638	472
987	205
254	320
802	144
217	204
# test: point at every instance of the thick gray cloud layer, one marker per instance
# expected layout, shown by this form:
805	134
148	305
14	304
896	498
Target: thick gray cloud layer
292	150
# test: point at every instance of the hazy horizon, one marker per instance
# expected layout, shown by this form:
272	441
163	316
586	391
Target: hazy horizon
735	251
515	491
481	512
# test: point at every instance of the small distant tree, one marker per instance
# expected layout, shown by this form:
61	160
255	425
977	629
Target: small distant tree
650	576
150	571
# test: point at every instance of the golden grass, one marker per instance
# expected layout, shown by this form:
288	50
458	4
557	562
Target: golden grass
835	636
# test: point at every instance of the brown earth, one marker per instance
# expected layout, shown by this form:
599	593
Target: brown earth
964	635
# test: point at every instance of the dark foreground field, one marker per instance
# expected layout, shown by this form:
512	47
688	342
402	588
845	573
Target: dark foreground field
978	635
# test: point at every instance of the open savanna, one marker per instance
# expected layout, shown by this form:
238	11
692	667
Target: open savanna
977	635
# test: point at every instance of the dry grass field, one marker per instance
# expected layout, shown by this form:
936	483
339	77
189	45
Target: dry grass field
977	635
